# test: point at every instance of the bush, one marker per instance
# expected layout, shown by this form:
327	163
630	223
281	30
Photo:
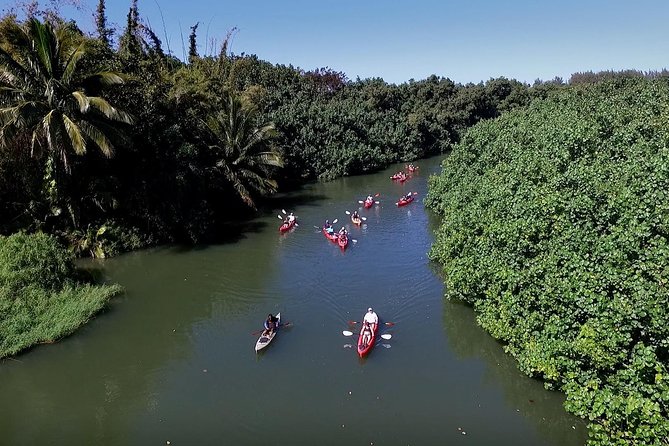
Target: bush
555	230
40	300
33	259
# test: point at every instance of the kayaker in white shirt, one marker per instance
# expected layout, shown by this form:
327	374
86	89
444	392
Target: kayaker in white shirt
371	318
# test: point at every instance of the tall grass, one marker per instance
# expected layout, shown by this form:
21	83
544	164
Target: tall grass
40	299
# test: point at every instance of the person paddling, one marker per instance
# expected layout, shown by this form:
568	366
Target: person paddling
366	334
271	324
371	318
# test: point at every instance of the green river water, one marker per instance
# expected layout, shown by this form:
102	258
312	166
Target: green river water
172	359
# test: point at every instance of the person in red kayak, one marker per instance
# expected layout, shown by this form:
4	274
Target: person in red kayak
371	318
271	324
407	197
366	334
342	231
328	227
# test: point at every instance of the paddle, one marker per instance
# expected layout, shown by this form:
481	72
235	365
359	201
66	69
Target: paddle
257	332
350	333
320	228
361	218
389	324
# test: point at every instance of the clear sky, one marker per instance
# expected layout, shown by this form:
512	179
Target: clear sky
464	40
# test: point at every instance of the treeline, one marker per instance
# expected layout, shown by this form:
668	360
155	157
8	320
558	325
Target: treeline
555	229
135	147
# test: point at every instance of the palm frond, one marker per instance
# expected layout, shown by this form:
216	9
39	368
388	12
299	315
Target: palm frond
106	79
238	186
83	101
44	44
49	130
271	159
76	138
98	137
13	73
109	111
72	60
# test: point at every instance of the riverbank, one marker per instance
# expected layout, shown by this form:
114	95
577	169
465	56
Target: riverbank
42	296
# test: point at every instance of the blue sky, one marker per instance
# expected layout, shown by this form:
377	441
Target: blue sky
466	41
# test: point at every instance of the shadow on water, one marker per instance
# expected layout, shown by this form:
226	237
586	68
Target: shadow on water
528	396
289	201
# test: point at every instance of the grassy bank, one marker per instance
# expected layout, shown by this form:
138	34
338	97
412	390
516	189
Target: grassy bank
42	299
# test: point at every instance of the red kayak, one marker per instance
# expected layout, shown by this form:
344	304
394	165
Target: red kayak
330	236
368	203
287	226
397	177
343	241
363	348
404	201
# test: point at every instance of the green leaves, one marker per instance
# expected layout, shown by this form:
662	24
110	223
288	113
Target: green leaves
44	99
554	229
244	152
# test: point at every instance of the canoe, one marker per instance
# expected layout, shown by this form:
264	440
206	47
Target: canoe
332	237
368	204
404	202
342	241
364	349
287	226
356	221
263	341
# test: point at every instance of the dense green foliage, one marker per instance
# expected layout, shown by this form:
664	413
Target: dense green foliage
555	230
41	299
174	174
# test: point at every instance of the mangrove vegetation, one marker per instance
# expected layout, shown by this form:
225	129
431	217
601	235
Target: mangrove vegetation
555	231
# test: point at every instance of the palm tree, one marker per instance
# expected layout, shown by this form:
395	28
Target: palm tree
245	154
45	100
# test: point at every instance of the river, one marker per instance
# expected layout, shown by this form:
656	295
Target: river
172	359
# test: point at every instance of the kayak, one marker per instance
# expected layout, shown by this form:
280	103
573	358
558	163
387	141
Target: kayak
368	204
362	348
412	169
287	226
343	241
356	221
330	236
400	178
263	341
404	202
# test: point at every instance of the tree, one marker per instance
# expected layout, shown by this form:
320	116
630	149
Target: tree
104	33
46	101
192	44
244	152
